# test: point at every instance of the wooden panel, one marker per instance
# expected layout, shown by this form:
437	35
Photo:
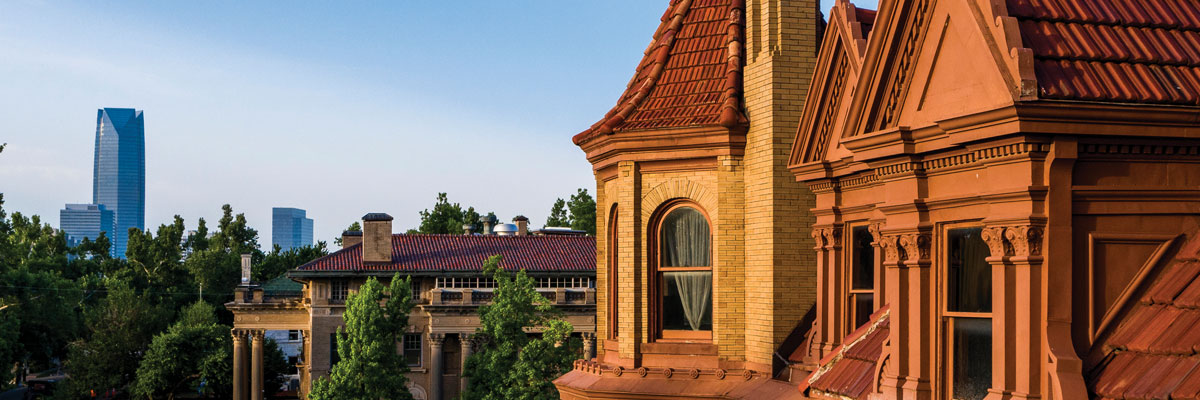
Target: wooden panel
1117	262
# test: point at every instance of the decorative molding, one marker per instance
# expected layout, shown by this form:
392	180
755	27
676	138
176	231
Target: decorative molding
818	235
874	230
437	339
833	237
1142	149
994	236
892	252
916	246
901	168
902	73
1025	240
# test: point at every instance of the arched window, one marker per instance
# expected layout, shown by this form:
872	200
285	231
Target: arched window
613	275
684	274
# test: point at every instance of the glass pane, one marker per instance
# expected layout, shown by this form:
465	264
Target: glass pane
972	349
864	305
687	300
969	276
685	239
863	273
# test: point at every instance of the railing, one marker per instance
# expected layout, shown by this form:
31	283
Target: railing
451	297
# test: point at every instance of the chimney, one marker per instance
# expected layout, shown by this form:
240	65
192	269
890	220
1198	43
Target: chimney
488	221
245	270
377	238
468	229
350	238
522	225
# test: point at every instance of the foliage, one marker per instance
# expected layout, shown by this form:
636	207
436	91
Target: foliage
123	325
370	367
446	218
558	214
583	212
278	262
195	349
510	364
355	227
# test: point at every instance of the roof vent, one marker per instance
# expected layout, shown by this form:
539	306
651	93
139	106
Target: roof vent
505	230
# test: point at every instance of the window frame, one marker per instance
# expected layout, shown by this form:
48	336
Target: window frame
420	348
852	294
613	289
946	318
336	295
656	270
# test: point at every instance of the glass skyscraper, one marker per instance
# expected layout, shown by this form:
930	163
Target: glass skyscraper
119	176
81	221
290	228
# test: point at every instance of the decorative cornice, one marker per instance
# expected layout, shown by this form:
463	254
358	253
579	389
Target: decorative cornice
1026	240
892	252
1139	149
916	247
600	369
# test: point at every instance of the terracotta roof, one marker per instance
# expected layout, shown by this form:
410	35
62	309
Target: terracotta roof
849	371
1144	51
467	253
691	75
1155	351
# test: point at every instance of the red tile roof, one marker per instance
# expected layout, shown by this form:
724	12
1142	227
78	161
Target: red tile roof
691	75
1143	51
1155	351
467	253
849	371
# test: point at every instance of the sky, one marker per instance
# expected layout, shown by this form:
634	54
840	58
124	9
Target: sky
339	108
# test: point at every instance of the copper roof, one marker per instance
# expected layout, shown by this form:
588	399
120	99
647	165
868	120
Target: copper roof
849	371
467	253
691	75
1144	51
1155	351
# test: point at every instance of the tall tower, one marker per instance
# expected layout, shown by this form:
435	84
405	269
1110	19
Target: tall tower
119	173
290	228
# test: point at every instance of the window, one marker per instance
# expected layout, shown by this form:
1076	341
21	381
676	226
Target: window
293	335
613	286
338	290
414	289
862	276
412	349
968	318
684	274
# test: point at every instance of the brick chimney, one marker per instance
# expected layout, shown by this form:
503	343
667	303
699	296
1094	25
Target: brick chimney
522	225
350	238
377	238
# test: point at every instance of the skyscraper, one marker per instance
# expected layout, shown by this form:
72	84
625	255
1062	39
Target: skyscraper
119	176
81	221
290	228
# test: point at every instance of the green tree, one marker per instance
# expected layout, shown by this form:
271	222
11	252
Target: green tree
558	214
122	327
583	212
355	227
279	261
195	349
370	367
447	218
511	364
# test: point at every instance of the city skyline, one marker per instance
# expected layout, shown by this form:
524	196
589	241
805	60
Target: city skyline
119	171
235	103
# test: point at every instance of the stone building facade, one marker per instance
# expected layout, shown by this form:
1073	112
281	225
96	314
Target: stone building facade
1007	200
699	143
448	288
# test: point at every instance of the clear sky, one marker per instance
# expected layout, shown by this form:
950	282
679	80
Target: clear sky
339	108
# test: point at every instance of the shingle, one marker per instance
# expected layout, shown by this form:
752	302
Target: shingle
468	253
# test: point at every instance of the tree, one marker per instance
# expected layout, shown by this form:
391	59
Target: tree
583	212
278	261
355	227
510	364
447	218
122	325
195	349
558	214
370	368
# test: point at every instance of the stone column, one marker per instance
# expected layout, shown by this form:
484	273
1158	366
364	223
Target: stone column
256	365
239	365
1016	315
305	363
589	345
467	341
435	365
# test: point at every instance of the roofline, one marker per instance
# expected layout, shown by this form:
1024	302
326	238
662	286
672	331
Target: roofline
294	274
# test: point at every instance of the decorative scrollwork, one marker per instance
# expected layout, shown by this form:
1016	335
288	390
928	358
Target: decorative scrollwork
1026	240
892	252
833	237
668	372
720	374
916	246
994	237
642	371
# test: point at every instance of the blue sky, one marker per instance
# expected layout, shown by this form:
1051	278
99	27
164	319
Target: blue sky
340	108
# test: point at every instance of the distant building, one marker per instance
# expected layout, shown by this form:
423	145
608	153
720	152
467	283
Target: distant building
80	221
290	228
119	174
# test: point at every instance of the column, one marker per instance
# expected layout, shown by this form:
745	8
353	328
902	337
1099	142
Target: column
239	364
305	363
589	345
467	341
435	365
256	365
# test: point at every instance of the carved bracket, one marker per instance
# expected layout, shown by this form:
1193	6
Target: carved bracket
892	252
916	247
1010	241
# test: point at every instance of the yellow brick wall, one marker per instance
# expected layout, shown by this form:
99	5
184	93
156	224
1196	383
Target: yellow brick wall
782	46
